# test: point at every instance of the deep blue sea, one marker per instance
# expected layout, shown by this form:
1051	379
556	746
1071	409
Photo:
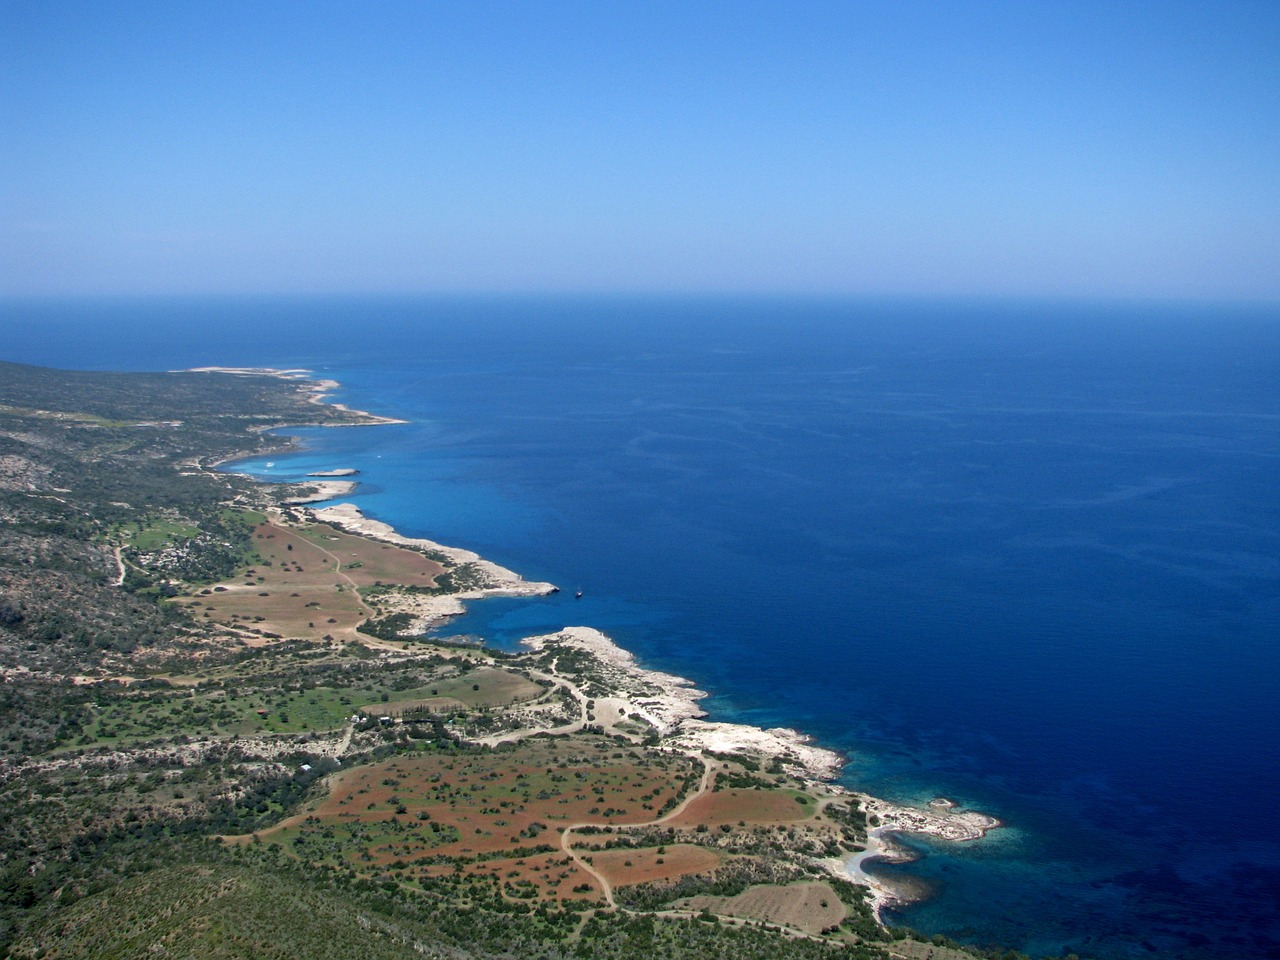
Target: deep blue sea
1025	555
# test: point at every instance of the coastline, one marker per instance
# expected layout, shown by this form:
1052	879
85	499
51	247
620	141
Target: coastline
425	609
326	486
669	704
943	820
501	581
316	390
324	490
666	702
879	848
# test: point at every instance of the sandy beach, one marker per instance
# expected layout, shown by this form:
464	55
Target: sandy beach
669	703
879	847
941	819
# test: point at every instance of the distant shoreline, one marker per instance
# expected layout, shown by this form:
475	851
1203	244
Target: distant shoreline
317	390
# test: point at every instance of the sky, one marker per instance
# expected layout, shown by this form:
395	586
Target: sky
1116	149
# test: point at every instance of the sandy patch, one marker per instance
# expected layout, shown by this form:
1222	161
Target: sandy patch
941	820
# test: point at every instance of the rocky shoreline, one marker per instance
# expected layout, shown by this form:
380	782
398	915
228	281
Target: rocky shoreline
670	705
666	702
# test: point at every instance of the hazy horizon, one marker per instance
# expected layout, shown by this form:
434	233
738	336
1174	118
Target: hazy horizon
1079	150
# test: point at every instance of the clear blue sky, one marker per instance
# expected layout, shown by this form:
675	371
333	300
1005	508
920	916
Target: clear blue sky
1046	147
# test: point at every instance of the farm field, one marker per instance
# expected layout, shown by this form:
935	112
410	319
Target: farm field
306	581
497	821
730	806
626	867
811	907
483	687
495	815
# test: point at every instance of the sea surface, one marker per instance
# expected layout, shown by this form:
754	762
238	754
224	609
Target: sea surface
1023	555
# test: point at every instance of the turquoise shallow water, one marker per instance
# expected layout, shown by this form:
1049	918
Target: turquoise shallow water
1022	555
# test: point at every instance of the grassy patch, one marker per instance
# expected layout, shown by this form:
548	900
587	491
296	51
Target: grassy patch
155	534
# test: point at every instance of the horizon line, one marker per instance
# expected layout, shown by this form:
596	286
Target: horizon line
656	294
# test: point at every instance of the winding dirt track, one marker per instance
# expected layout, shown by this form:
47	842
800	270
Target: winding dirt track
119	558
703	786
708	778
573	726
337	568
